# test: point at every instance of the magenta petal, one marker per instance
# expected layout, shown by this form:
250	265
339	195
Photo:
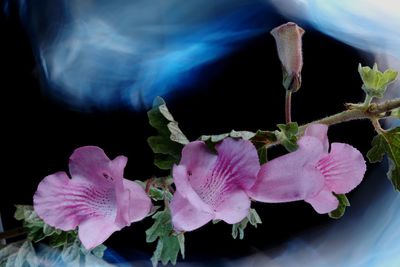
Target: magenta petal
65	203
91	164
290	177
139	203
47	200
233	208
198	159
185	189
187	217
344	168
209	184
324	202
319	131
240	160
95	231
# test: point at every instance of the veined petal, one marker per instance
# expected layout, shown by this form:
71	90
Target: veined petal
64	203
291	177
95	231
319	131
91	164
210	185
186	216
183	186
139	203
198	160
235	169
240	161
324	202
234	207
344	168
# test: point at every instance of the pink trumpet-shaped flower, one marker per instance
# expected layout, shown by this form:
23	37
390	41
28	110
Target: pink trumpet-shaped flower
311	173
213	186
97	199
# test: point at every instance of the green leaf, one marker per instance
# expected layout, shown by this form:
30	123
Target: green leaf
245	135
374	81
287	135
238	228
38	231
169	243
167	145
343	203
388	143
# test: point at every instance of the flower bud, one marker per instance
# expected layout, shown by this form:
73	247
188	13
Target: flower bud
375	82
288	42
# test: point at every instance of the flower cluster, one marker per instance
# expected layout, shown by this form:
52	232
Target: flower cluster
209	186
220	186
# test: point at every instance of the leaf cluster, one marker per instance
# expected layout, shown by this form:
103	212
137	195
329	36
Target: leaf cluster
169	141
388	143
169	243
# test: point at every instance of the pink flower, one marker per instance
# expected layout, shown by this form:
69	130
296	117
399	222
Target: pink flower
288	42
311	173
213	186
97	199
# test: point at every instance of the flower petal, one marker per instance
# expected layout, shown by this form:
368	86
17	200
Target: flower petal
139	203
95	231
234	207
319	131
91	164
48	199
185	189
198	160
240	161
65	203
186	216
324	202
344	168
290	177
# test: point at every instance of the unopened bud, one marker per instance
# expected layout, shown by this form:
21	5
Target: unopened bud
288	41
375	82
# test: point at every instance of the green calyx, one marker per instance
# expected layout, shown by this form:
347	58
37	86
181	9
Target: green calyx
375	81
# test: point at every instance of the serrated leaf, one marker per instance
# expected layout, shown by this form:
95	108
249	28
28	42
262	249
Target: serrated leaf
167	145
169	244
37	230
343	203
388	143
287	135
245	135
238	228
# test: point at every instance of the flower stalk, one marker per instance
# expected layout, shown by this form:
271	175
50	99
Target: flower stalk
288	107
354	112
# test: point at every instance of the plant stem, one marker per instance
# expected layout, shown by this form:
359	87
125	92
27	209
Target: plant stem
368	100
354	112
288	106
377	125
12	233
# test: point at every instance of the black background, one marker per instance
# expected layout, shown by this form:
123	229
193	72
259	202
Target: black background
244	93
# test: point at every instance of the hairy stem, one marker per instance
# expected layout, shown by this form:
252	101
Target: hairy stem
354	112
288	106
12	233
